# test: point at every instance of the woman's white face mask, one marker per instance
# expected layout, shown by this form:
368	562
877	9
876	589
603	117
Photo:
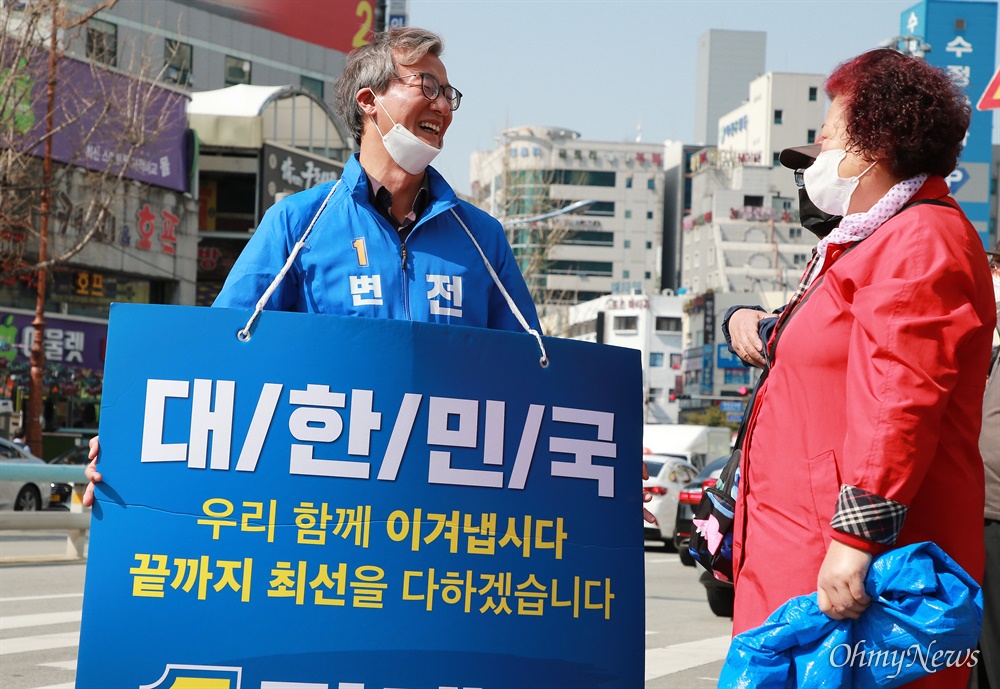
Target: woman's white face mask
830	192
409	151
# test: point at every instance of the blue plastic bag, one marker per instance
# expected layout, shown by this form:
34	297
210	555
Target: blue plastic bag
926	615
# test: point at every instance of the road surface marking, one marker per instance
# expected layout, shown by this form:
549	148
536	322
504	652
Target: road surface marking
44	642
61	665
62	595
670	659
40	619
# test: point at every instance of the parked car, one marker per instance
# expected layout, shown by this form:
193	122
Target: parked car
20	495
62	493
666	477
687	500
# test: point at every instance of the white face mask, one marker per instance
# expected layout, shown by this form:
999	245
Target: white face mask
996	288
409	151
826	188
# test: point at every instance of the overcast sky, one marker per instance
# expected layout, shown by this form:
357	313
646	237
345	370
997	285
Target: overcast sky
606	67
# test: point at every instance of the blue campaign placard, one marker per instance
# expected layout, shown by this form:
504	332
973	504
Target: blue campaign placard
364	503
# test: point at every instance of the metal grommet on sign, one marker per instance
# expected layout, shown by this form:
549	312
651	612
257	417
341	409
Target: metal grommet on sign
543	362
243	335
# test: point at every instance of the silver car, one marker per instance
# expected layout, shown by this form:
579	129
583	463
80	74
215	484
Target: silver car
18	495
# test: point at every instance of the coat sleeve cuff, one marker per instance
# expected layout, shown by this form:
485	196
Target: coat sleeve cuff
868	516
858	542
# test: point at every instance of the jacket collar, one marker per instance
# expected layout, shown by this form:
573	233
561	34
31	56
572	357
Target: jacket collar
442	197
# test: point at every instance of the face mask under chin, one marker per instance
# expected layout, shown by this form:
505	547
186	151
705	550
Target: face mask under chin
408	151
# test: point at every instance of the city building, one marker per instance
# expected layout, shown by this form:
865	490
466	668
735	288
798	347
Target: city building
610	245
653	325
242	104
743	233
727	61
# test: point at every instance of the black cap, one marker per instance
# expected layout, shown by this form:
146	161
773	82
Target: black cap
799	157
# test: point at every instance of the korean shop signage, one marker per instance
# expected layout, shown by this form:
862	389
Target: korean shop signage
287	171
71	342
362	502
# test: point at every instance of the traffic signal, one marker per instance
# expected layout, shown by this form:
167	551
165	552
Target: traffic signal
744	390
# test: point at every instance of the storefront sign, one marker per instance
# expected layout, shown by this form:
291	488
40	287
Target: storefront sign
69	342
353	502
286	171
90	135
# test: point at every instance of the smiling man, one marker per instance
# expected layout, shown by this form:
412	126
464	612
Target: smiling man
390	239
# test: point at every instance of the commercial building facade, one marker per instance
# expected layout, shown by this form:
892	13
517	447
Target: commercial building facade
610	246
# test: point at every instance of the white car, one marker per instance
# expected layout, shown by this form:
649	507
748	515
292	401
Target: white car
667	475
18	495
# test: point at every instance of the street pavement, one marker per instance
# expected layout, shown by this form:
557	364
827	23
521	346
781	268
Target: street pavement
41	597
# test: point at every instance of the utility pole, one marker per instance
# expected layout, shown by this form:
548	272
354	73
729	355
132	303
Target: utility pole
37	389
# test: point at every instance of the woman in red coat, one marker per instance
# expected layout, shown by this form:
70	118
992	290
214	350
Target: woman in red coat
864	435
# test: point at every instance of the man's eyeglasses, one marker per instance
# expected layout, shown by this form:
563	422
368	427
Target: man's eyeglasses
431	89
800	179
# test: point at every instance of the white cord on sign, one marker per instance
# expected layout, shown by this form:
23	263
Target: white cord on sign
544	360
244	334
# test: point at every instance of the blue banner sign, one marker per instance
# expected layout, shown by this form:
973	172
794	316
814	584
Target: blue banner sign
727	359
731	406
364	503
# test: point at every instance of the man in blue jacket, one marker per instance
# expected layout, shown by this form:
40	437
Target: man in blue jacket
390	239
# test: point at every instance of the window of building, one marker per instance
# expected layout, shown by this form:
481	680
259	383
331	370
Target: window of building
649	215
753	200
102	42
811	136
237	71
813	92
626	323
581	268
648	275
654	394
177	60
668	324
774	161
649	245
795	232
314	85
651	184
628	182
656	359
625	275
777	117
589	238
800	259
628	214
628	243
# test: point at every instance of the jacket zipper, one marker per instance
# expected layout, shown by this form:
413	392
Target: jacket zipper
406	287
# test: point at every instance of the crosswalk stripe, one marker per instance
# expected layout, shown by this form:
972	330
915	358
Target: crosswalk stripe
51	597
670	659
38	620
42	642
61	665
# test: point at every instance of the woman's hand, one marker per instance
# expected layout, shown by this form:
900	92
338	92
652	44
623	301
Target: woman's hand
840	587
91	471
646	497
744	336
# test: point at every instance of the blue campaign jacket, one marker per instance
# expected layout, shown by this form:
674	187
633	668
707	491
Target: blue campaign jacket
354	264
925	617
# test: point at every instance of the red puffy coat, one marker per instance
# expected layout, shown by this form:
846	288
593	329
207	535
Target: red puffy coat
876	384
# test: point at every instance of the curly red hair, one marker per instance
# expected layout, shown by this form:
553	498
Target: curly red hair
902	111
